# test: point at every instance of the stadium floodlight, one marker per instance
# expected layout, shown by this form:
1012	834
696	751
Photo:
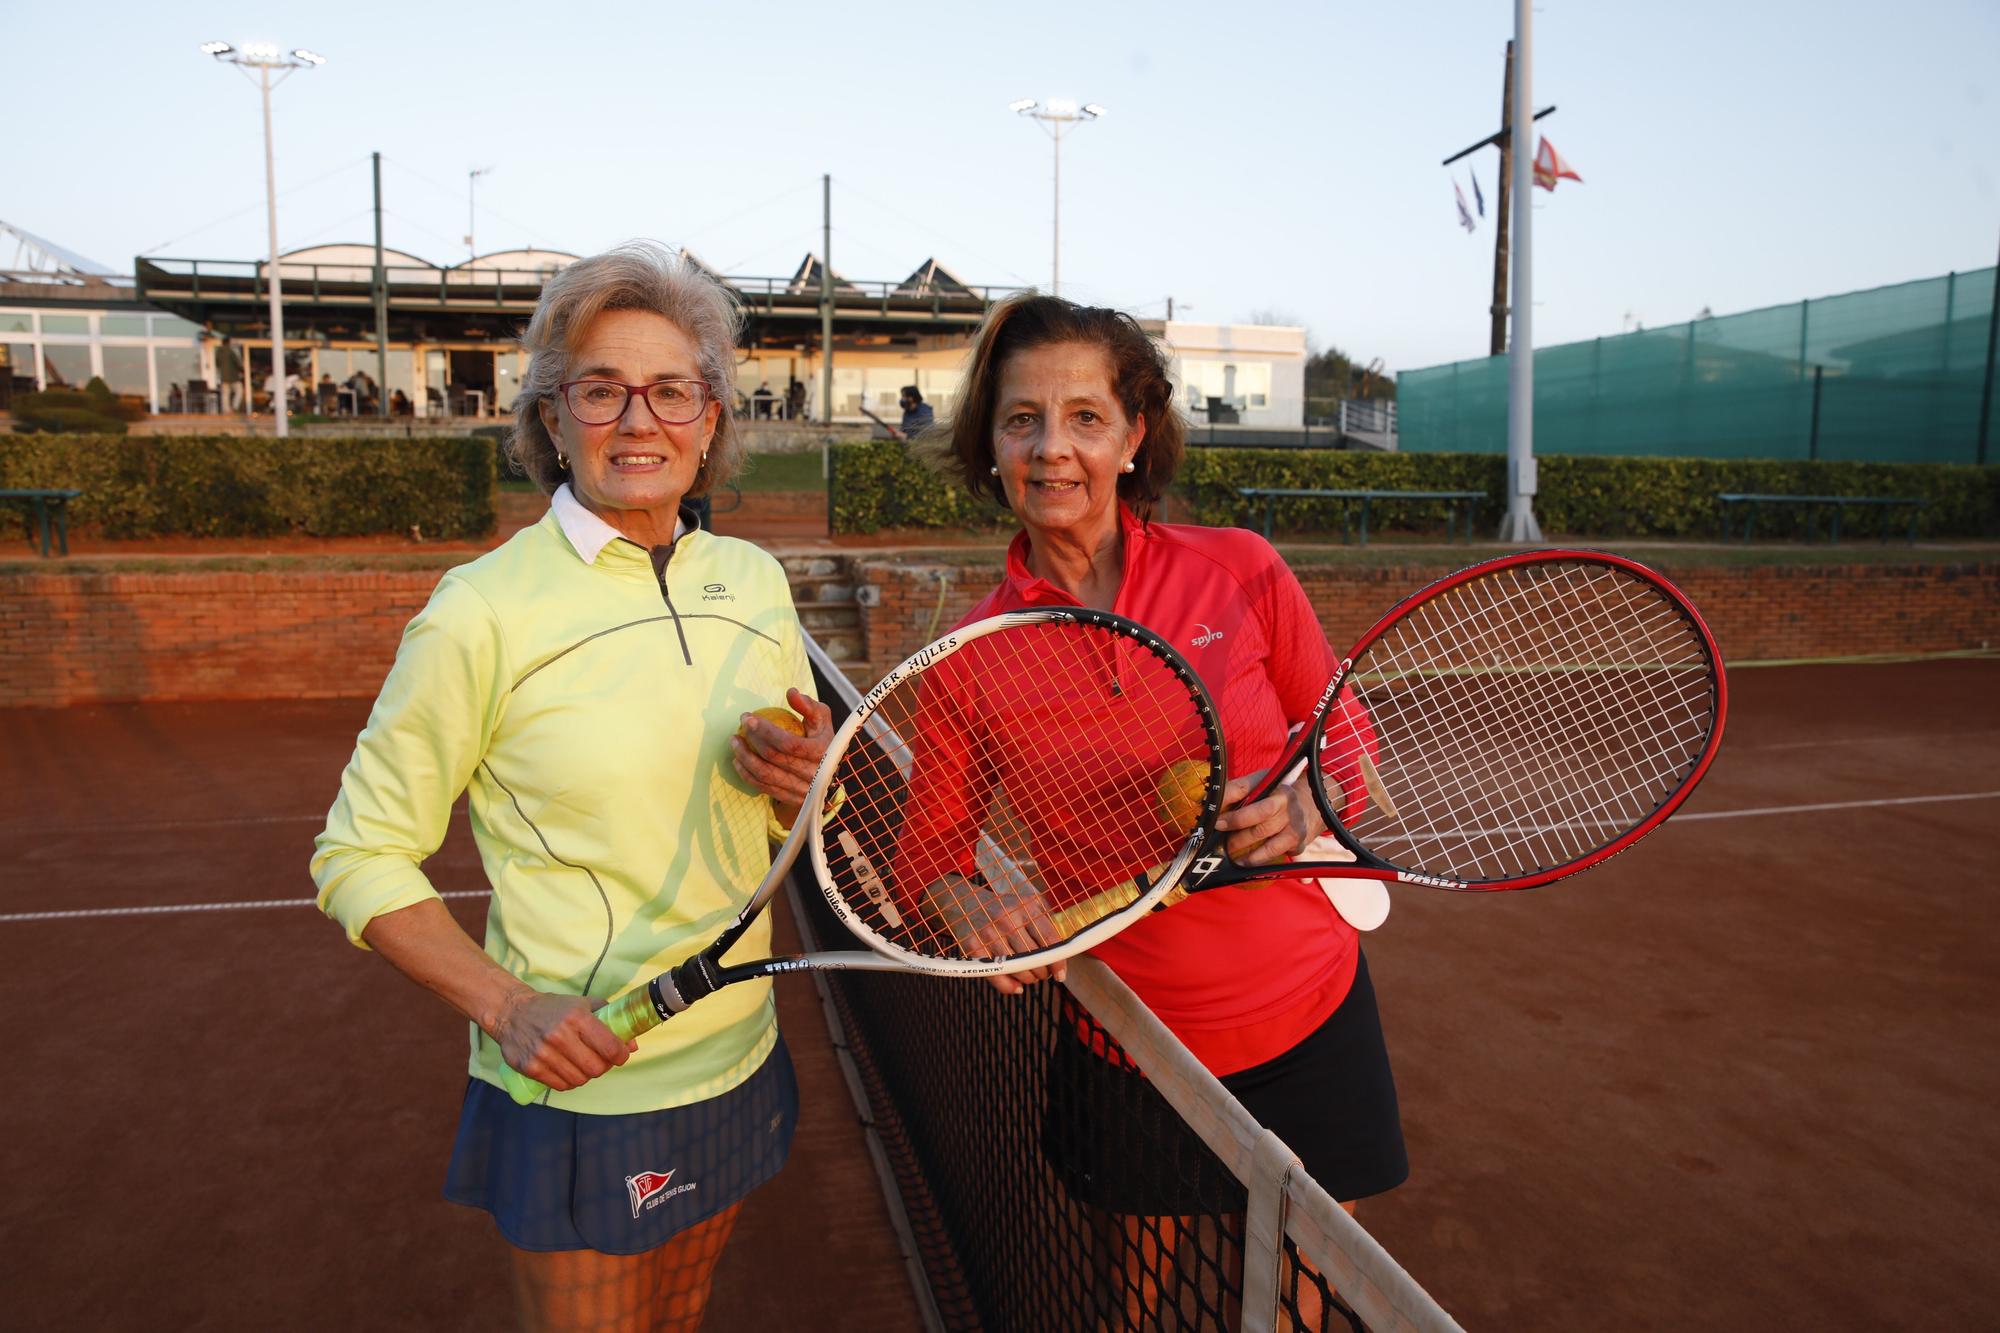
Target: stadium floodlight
1057	116
265	57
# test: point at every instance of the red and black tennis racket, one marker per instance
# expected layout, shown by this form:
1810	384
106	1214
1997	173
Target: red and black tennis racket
1516	722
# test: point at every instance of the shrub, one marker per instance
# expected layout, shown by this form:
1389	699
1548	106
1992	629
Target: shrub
222	487
879	485
68	411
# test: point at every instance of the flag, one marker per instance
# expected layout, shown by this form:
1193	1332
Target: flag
1464	213
1477	197
1550	168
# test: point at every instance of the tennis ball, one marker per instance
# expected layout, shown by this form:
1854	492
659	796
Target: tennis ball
780	717
1181	790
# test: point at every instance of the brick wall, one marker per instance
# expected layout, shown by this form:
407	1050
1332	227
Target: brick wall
1757	613
100	638
92	638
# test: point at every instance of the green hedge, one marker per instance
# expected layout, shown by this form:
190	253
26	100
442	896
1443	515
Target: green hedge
878	485
203	486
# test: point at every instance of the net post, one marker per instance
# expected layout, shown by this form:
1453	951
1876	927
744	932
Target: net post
1272	1165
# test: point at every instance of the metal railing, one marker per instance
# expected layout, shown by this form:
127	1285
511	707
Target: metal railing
233	279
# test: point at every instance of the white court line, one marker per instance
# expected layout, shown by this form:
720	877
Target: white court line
1929	738
169	909
151	825
174	908
1835	805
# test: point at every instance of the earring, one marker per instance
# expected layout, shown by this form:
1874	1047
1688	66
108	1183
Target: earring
1129	465
995	469
562	462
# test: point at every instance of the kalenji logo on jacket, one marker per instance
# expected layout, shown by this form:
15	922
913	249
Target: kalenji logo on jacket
717	592
649	1189
1206	637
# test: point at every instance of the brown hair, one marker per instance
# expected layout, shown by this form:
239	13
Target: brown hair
1139	379
639	275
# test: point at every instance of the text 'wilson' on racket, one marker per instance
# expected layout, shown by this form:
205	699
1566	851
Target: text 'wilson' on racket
1516	722
994	805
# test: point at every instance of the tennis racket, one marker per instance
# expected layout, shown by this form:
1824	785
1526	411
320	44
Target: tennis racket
993	805
1519	721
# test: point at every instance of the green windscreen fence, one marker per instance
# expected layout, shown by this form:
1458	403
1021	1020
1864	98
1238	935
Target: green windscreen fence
1892	374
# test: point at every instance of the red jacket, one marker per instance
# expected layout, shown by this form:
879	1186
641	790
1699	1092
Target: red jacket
1240	975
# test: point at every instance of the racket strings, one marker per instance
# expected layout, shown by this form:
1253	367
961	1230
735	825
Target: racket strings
1007	796
1525	719
1566	815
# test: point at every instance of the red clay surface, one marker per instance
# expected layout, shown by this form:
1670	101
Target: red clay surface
1740	1078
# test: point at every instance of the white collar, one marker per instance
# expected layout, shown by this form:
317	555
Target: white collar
588	533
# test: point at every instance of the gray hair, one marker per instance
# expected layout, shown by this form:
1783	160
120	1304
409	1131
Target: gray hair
638	275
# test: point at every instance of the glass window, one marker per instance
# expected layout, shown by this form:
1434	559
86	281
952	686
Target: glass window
507	370
402	378
122	324
17	361
172	326
16	321
176	366
65	323
125	371
66	367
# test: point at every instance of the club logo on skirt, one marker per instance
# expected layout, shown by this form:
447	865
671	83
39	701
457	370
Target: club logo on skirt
649	1189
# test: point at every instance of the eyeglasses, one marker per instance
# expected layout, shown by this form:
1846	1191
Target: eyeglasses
601	402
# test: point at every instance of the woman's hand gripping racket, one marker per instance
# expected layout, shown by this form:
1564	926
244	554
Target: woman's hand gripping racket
994	805
1513	723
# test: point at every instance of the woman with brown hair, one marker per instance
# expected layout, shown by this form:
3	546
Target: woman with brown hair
1067	418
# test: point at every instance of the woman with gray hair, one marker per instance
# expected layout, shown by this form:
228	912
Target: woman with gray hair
590	687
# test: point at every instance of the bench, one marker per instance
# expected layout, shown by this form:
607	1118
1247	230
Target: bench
1888	504
1461	503
45	504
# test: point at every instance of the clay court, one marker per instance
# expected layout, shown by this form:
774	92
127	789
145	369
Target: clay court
1740	1078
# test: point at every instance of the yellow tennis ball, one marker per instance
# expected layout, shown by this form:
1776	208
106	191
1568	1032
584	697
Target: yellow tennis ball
1181	790
781	717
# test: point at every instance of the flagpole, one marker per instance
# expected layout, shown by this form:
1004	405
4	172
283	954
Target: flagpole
1519	525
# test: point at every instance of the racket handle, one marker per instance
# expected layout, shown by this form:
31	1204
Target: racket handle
627	1017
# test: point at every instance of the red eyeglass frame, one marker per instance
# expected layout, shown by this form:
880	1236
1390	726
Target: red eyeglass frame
563	388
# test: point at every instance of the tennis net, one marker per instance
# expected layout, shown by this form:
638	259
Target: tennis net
1008	1158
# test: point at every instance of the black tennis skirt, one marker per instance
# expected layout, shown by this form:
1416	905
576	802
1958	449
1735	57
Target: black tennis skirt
620	1184
1117	1145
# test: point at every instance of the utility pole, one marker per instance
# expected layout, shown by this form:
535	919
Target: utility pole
1499	338
826	301
380	292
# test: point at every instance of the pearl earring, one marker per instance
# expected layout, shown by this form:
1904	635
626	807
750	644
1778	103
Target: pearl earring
995	469
1128	466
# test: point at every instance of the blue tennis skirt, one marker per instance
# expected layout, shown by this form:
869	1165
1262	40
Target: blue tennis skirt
620	1184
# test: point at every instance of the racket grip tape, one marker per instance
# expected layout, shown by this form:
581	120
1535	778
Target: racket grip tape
627	1016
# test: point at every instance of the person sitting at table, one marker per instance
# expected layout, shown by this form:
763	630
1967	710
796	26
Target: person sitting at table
760	400
399	404
329	393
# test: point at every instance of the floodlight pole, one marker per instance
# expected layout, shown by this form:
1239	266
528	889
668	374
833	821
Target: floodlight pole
1518	524
1057	117
264	59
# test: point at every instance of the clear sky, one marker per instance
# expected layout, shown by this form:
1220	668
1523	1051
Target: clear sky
1258	157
